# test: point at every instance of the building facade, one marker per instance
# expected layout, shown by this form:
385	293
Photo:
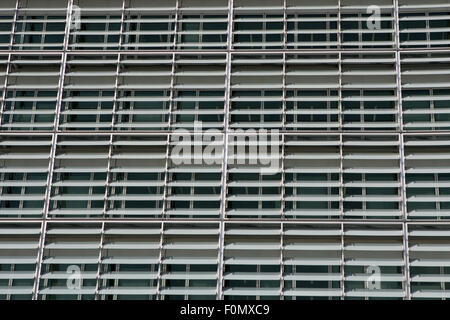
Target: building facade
98	202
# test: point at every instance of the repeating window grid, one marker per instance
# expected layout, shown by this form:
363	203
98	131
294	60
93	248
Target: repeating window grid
435	191
426	187
267	34
22	188
423	30
5	85
193	189
34	31
356	32
94	110
69	247
424	107
136	190
10	43
197	29
440	114
198	95
142	31
79	177
144	107
7	27
302	246
31	94
312	262
428	275
311	176
105	29
368	178
129	266
189	262
96	32
306	31
24	109
18	252
415	173
381	246
132	114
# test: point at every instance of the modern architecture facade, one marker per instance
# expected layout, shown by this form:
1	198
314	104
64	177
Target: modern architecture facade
93	205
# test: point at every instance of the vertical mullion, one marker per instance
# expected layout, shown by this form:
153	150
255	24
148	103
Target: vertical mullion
166	176
282	171
339	40
110	150
281	260
224	180
37	276
13	27
283	125
341	146
342	262
283	178
5	86
44	31
339	31
341	156
48	190
283	117
164	200
428	30
407	279
284	25
160	257
437	193
166	169
402	153
433	112
341	210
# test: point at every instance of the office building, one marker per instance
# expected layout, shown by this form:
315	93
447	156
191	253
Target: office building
93	204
